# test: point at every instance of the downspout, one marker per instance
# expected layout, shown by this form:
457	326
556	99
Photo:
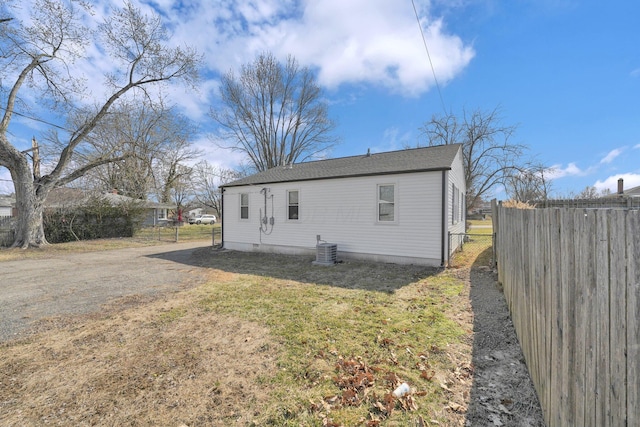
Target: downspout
444	218
222	217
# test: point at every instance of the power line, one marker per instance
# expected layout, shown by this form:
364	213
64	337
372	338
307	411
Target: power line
37	120
424	40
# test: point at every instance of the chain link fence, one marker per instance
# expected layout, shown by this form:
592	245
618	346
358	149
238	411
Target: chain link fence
474	249
181	233
7	231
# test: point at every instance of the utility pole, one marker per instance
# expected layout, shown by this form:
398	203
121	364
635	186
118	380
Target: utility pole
36	158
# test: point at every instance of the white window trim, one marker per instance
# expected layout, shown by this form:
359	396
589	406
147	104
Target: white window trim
395	203
294	220
240	207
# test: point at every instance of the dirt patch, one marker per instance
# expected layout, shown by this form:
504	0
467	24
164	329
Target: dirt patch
166	362
502	393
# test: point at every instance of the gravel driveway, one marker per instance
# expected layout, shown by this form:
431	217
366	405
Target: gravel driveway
78	283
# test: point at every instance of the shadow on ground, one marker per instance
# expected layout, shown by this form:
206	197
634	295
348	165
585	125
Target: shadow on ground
502	393
348	274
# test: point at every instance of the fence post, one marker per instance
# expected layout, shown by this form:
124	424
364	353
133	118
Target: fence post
494	259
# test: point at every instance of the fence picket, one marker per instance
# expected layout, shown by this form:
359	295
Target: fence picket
554	413
590	319
618	318
633	320
567	399
549	301
603	381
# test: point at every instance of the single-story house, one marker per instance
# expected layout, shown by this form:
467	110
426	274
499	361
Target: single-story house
633	192
155	213
396	207
7	206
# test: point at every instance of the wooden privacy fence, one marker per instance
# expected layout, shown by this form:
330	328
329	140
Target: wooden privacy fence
571	278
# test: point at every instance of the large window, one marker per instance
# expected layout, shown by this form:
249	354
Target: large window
244	206
386	203
293	204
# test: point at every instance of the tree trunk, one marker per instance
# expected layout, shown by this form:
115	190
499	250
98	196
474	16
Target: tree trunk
30	198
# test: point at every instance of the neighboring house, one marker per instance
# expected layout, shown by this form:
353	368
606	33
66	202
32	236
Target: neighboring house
624	193
155	213
632	192
7	206
394	207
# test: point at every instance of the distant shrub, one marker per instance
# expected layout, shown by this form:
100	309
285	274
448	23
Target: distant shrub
96	219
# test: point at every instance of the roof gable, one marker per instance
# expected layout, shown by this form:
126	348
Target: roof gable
393	162
7	201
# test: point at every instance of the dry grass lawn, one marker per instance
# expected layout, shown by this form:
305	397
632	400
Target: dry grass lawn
267	340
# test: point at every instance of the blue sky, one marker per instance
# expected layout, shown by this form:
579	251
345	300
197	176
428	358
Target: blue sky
566	72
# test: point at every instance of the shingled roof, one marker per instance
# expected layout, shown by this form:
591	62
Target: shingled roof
412	160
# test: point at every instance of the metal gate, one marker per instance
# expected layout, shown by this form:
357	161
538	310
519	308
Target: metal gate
471	249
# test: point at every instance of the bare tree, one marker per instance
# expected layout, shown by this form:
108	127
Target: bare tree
531	183
180	190
38	59
274	113
488	153
207	179
591	192
154	142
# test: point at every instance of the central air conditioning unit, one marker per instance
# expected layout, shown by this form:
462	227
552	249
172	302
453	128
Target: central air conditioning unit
326	253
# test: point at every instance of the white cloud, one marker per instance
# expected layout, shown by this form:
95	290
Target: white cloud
611	183
217	156
611	156
357	41
394	139
636	147
558	171
375	42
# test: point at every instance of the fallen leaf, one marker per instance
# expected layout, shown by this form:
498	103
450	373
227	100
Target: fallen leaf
427	375
455	407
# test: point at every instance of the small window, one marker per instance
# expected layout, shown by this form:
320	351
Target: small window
244	206
161	214
386	203
293	205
